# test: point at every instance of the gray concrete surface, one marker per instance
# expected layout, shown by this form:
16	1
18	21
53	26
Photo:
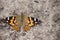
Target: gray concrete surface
46	10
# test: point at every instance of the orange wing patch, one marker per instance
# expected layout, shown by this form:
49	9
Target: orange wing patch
30	23
14	24
27	28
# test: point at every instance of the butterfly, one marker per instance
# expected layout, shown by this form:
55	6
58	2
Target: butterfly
17	21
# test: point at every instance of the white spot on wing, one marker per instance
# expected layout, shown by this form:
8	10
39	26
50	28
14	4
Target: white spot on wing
35	19
7	21
8	18
35	22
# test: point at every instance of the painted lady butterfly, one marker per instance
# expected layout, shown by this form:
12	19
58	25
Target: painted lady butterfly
17	21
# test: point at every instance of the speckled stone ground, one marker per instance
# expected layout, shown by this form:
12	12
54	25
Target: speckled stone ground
46	10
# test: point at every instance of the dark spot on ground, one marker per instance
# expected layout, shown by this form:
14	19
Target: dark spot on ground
36	1
1	8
